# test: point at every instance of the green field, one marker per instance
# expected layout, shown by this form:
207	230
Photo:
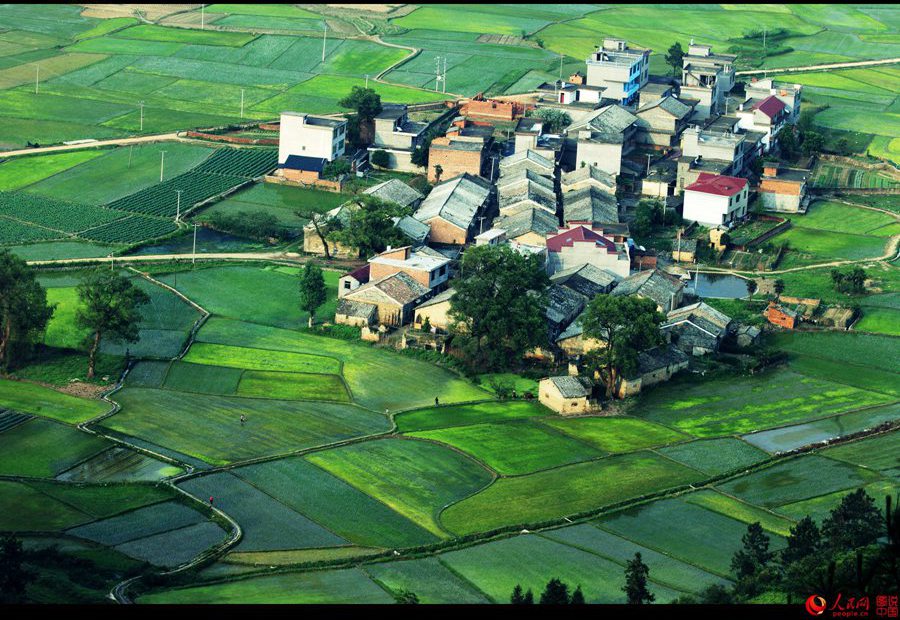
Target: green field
616	434
42	401
714	456
260	359
462	415
843	218
415	478
880	453
42	449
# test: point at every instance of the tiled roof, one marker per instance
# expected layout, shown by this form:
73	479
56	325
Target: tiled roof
456	200
398	287
579	233
717	184
670	104
531	191
585	173
411	227
660	357
522	175
702	315
360	309
572	387
396	191
586	279
653	284
360	274
770	106
563	305
590	204
302	162
529	155
612	119
438	299
528	220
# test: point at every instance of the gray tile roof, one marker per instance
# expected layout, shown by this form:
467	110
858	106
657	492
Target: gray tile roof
606	122
529	220
587	279
702	315
398	287
507	163
521	176
531	191
670	104
439	299
411	227
563	305
396	191
585	173
590	204
572	387
457	200
653	284
359	309
660	357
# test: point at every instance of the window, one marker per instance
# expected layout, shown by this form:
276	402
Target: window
347	284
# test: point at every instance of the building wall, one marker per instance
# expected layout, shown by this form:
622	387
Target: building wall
354	321
549	396
711	209
785	203
346	285
431	279
296	138
300	176
579	345
453	163
692	340
525	142
312	244
443	231
581	253
657	189
437	314
606	157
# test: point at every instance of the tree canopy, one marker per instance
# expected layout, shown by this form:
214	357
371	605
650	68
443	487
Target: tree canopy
371	227
24	311
674	58
626	325
497	312
110	307
365	101
557	120
636	577
312	289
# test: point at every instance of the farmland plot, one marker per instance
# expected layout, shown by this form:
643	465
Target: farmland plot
139	523
41	448
174	547
119	465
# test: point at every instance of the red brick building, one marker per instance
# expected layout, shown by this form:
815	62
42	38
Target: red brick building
781	316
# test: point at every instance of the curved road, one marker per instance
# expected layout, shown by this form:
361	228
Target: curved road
833	65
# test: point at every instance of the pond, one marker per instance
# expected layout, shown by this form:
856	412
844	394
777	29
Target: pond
208	240
724	286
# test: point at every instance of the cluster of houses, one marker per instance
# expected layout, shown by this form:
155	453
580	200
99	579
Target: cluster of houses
554	195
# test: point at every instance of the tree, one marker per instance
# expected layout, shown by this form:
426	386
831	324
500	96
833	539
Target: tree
24	311
518	598
336	168
529	597
751	288
843	146
577	597
324	224
855	523
405	597
312	290
750	561
812	143
804	540
110	306
627	325
380	158
556	120
556	593
778	286
852	282
675	57
438	171
365	101
788	142
497	312
371	226
14	578
635	588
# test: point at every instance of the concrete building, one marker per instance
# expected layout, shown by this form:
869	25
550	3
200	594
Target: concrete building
397	136
661	122
789	94
453	208
706	78
766	116
711	152
783	189
309	135
578	244
715	199
426	269
567	395
620	70
604	138
494	236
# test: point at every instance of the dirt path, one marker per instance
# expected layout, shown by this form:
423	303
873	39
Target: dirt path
292	257
833	65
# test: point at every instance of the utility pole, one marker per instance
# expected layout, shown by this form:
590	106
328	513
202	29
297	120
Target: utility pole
324	39
367	80
648	164
194	251
560	66
444	78
130	149
178	206
142	115
764	37
493	167
37	77
162	163
202	16
242	103
480	224
437	72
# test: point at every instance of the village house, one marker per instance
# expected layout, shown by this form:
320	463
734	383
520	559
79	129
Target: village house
517	182
527	160
530	226
574	343
563	306
578	244
397	136
464	148
567	395
654	91
716	199
533	195
619	69
312	241
396	191
706	78
454	207
782	316
528	131
660	182
712	152
389	301
585	279
430	271
684	250
491	109
436	311
696	329
302	169
661	122
603	138
309	135
766	116
353	280
570	93
663	289
654	366
588	176
783	189
494	236
789	94
590	204
414	230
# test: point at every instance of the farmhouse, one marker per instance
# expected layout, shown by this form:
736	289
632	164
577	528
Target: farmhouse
716	199
529	160
464	148
620	70
789	94
397	136
590	204
696	329
389	301
588	176
604	138
656	285
567	395
533	195
662	121
706	78
766	116
783	189
530	226
494	236
312	242
427	270
436	311
573	342
585	279
302	169
563	306
684	250
654	366
520	180
452	208
571	93
655	90
396	191
353	280
782	316
413	229
579	244
308	135
528	131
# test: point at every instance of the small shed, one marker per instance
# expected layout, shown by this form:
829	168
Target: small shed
567	395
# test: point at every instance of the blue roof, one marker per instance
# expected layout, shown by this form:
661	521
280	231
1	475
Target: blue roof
302	162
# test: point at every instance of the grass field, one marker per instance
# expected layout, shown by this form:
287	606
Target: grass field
462	415
429	579
616	434
42	401
414	478
42	449
565	491
260	359
880	453
714	456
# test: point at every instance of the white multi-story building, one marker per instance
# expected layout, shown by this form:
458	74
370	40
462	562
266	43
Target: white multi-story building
706	78
308	135
581	243
715	199
789	94
621	71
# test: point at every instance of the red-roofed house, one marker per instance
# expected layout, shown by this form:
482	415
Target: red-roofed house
766	116
582	243
715	199
353	280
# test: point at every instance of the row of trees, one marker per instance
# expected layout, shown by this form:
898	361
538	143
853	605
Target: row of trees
852	282
109	307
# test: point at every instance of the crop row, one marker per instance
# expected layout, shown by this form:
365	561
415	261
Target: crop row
52	213
162	199
131	229
12	231
249	163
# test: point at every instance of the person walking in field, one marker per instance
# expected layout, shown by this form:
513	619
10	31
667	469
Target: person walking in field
436	402
210	500
243	419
